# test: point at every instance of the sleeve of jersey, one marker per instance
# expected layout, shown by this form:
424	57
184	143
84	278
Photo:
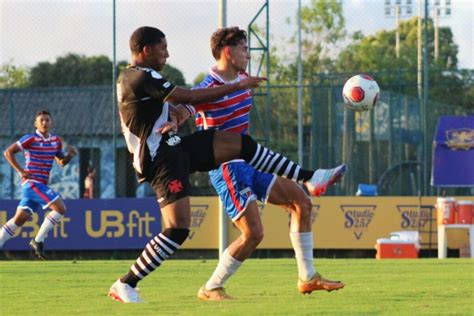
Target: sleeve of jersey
158	87
193	109
25	142
60	153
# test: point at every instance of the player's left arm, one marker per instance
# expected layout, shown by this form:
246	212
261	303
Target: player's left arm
62	159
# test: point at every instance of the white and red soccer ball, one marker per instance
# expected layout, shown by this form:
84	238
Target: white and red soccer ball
360	93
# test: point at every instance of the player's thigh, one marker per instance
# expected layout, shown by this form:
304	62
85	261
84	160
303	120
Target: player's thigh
200	150
250	223
21	216
170	178
227	146
58	206
287	193
177	214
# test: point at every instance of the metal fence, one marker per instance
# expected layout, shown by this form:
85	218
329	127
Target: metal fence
390	146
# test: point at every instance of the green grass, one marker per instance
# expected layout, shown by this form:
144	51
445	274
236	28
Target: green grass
262	286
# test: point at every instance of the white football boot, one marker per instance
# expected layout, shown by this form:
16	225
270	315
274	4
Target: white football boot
124	293
323	178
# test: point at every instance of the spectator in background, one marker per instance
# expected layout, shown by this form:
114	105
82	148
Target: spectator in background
89	183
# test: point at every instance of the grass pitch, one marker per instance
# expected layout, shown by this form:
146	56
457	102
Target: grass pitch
262	286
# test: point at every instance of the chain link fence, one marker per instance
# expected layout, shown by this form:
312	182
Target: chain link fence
58	55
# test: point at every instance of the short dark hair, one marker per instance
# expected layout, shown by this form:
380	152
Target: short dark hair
42	112
228	36
143	36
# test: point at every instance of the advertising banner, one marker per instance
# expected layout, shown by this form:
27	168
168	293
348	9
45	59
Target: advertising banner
337	223
91	225
453	152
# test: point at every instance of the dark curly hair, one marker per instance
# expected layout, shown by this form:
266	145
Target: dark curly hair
229	36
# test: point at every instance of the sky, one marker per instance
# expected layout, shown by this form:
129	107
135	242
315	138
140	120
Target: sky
42	30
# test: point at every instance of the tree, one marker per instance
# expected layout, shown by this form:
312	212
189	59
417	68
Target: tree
77	70
174	75
376	54
72	70
13	76
322	26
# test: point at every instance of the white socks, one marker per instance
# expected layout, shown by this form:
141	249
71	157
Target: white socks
51	219
225	269
7	231
303	246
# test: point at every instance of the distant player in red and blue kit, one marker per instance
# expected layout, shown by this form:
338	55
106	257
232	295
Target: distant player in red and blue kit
41	149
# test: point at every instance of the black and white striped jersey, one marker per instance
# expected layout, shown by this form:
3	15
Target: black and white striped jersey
141	94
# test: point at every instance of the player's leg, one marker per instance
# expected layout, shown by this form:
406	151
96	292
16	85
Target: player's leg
172	187
176	217
47	198
228	146
236	186
251	234
290	196
9	228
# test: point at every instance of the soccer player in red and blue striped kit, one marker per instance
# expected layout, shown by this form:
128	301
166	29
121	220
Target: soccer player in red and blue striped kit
41	149
240	185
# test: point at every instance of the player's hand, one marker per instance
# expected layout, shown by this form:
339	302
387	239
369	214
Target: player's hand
251	82
24	174
71	151
168	127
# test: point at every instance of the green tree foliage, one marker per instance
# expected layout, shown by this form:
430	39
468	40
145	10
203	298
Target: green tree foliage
174	75
77	70
72	70
376	54
12	76
322	28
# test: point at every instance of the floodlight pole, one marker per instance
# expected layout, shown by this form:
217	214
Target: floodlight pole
397	38
114	91
300	91
222	215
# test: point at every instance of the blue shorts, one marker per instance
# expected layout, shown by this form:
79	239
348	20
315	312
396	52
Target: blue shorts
36	195
238	184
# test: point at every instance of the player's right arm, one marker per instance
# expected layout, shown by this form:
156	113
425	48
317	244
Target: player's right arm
9	154
186	96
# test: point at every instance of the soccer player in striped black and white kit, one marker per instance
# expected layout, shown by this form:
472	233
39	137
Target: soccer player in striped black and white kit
165	160
41	149
240	185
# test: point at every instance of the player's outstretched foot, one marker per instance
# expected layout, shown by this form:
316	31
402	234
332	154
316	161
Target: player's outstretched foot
38	249
124	293
318	283
323	178
218	294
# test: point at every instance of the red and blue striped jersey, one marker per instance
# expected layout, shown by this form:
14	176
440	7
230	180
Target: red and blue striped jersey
230	113
39	154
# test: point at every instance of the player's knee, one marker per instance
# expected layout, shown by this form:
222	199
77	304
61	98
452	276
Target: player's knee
61	210
178	235
254	238
303	206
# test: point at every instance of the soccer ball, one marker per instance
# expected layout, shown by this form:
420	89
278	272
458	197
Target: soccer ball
360	93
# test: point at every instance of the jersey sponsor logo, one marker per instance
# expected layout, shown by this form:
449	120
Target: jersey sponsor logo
175	186
174	140
166	84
